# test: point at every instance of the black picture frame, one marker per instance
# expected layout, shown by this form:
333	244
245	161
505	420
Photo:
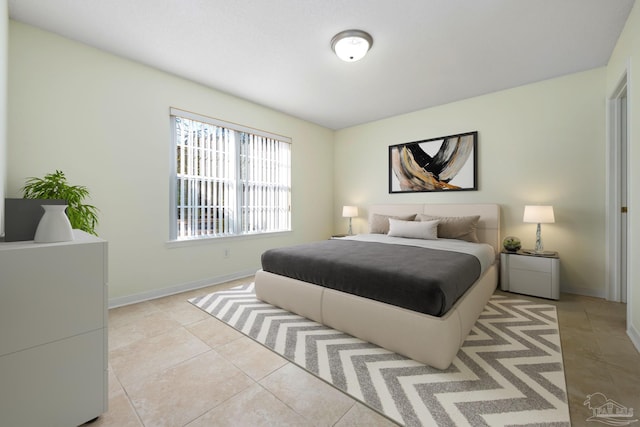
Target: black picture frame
446	163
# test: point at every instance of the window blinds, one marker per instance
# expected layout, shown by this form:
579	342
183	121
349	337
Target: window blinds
228	181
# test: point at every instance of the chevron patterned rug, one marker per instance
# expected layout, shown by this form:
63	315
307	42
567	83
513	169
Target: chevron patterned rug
508	372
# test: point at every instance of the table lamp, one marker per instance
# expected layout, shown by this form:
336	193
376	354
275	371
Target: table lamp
539	215
349	212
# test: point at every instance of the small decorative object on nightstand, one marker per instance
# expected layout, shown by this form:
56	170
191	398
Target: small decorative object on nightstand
529	273
511	244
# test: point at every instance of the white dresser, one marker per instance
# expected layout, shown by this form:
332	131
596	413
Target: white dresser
53	332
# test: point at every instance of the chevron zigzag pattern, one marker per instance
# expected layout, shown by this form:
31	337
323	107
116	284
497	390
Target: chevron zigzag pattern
508	372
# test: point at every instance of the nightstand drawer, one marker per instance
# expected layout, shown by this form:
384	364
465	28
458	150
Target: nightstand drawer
530	263
530	282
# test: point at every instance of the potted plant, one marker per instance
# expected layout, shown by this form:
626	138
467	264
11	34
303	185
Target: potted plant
511	244
54	186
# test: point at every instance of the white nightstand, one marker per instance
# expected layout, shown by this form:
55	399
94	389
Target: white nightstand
528	274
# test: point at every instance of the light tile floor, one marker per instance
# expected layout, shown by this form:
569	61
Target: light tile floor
170	364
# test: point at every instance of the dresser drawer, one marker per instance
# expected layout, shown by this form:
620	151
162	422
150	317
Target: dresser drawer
50	292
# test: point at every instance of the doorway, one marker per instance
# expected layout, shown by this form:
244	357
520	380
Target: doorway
617	236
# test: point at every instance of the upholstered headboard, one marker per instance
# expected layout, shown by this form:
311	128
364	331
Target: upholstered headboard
488	226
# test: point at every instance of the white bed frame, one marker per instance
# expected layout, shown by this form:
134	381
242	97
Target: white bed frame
427	339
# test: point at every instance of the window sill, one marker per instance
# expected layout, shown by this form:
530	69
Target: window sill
199	241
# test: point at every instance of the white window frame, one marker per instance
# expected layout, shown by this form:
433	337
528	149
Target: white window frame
234	228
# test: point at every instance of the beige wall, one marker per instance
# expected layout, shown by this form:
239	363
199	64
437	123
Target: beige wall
538	144
104	121
626	59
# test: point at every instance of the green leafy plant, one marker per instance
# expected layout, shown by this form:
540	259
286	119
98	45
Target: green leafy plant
54	186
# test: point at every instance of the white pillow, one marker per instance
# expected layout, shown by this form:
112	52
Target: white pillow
413	229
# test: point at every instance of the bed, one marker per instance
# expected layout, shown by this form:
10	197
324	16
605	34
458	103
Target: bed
431	335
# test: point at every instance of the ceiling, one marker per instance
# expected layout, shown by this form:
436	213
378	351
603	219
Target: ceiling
276	53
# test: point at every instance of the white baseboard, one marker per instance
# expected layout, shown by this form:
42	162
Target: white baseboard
596	293
634	335
172	290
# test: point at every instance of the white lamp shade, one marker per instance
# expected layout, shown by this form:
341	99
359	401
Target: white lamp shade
538	214
349	211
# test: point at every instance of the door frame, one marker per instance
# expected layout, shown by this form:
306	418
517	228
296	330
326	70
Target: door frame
614	182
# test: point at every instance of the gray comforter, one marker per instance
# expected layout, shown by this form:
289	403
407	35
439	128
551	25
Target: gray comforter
425	280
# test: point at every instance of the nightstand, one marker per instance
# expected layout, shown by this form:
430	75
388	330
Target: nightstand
530	274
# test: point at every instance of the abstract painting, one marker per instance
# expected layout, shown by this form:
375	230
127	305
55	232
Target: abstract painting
447	163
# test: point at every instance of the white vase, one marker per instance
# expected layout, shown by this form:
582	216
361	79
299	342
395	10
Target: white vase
54	226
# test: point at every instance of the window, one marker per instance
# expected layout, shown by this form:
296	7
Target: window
228	180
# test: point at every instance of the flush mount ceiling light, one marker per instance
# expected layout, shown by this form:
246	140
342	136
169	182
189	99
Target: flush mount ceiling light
351	45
